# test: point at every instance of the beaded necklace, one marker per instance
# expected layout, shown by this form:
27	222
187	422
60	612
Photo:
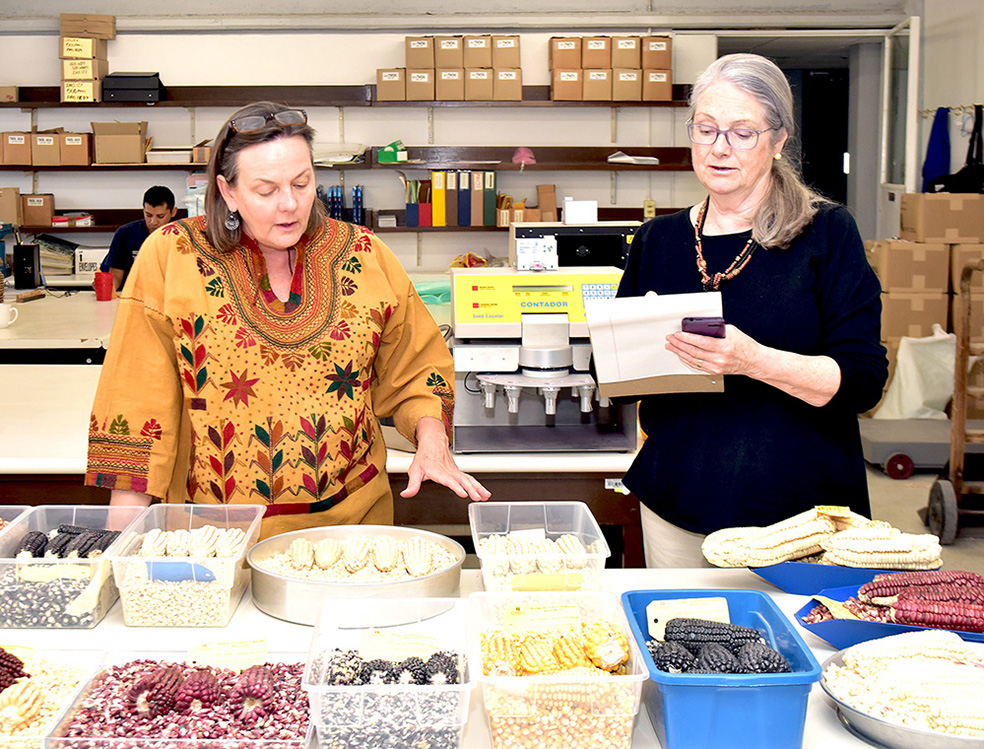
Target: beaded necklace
714	282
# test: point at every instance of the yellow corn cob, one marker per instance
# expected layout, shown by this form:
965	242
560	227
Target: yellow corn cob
604	645
500	654
536	656
20	704
570	653
357	553
417	557
327	551
522	556
587	686
571	545
301	554
385	553
547	559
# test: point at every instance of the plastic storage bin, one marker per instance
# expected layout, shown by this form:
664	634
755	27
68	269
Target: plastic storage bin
738	711
535	521
49	593
579	712
405	715
171	591
100	710
9	513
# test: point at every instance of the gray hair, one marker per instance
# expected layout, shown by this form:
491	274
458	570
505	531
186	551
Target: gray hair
790	205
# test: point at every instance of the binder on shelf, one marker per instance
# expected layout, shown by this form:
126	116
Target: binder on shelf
464	198
438	206
478	199
426	204
451	198
488	193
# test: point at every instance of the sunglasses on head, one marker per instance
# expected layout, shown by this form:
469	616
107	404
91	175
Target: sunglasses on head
253	122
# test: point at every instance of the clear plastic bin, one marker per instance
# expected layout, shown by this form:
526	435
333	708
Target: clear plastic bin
9	513
739	711
51	593
556	710
404	715
170	591
95	712
535	521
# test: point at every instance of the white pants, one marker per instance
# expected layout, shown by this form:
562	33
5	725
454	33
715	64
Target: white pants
666	545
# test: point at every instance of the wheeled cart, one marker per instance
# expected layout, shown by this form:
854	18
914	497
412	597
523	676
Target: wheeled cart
900	446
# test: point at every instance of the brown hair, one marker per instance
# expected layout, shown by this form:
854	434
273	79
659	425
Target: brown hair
225	162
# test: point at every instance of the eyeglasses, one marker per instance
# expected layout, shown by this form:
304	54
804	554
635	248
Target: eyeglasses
253	122
741	138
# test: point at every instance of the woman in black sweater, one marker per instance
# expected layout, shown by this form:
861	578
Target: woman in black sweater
801	355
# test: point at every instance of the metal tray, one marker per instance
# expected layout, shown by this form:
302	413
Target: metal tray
882	733
300	601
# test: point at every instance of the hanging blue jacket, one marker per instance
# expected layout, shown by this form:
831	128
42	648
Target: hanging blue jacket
937	162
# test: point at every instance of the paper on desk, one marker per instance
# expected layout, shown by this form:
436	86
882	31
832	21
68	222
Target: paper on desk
628	343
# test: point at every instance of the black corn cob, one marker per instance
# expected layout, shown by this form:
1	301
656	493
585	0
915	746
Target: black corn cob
56	546
73	530
442	668
411	671
104	542
378	671
759	658
34	542
694	633
715	658
80	544
672	657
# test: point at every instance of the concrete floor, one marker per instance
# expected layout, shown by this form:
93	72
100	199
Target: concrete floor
898	502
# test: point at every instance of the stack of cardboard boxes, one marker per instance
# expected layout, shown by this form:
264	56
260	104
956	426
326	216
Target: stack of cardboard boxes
455	68
83	55
616	68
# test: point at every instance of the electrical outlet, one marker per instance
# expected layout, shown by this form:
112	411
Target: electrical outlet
649	208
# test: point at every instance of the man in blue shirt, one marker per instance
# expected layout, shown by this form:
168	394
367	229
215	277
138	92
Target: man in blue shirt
158	209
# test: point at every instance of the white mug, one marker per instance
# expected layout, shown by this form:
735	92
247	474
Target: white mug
8	313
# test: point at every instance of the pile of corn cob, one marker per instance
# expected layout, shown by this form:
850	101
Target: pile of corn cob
942	599
513	554
701	646
596	648
846	540
928	680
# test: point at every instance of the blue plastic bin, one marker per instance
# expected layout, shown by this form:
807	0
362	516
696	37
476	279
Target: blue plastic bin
737	711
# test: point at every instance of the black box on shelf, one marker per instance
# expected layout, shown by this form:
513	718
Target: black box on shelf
133	87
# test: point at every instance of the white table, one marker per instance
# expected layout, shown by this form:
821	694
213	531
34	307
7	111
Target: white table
823	731
59	322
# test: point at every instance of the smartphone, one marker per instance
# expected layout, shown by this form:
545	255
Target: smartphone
709	326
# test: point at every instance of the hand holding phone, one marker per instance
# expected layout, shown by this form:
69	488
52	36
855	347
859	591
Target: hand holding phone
709	326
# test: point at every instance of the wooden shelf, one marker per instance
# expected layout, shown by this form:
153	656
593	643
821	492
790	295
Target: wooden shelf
154	167
539	96
108	220
548	158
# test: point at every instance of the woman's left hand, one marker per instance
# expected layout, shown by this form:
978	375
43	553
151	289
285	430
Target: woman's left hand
736	353
433	462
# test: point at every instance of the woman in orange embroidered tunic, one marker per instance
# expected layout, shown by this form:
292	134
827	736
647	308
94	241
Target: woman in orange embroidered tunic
255	346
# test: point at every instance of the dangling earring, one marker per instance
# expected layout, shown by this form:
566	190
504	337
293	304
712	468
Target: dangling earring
232	221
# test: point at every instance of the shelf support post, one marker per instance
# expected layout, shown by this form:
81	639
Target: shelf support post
614	118
614	187
430	126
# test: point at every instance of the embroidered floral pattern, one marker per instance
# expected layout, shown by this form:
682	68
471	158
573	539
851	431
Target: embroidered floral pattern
223	482
240	388
269	458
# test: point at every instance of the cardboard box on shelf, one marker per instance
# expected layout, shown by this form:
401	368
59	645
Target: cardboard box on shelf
910	266
73	149
81	47
657	52
942	217
565	52
419	52
17	149
84	69
420	84
8	94
391	84
448	52
960	255
450	85
201	152
478	84
566	85
87	24
38	209
120	142
597	85
626	84
507	84
657	85
596	52
81	91
505	51
477	51
45	148
912	313
546	196
10	206
626	52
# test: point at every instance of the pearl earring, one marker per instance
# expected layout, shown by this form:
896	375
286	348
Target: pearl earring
232	221
778	157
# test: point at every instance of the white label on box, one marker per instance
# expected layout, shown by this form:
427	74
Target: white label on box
566	45
449	44
35	202
419	44
505	43
569	75
479	75
598	75
596	44
73	140
16	140
420	77
628	76
657	46
626	43
657	77
478	43
46	140
391	76
88	260
507	75
449	75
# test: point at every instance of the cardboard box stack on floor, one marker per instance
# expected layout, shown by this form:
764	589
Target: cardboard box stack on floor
604	68
82	48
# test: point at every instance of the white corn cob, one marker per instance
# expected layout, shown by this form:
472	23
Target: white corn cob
154	543
357	553
385	553
873	547
228	543
178	543
417	556
960	717
494	549
795	537
522	556
204	541
20	704
301	554
547	559
327	551
870	656
728	547
573	549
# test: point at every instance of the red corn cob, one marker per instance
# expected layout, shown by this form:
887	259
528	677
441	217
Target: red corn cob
888	586
952	592
944	615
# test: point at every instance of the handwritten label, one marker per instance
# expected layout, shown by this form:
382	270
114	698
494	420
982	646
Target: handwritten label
234	655
419	77
505	43
16	140
628	76
450	75
658	613
78	91
507	75
657	77
419	44
520	617
73	140
626	43
596	43
569	75
478	75
391	76
78	46
565	45
392	646
449	44
657	46
478	43
598	75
